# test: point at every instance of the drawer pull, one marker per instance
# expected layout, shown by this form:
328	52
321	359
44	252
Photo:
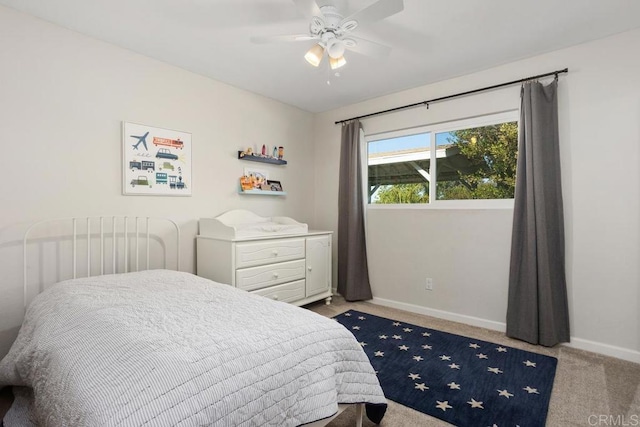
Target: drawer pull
275	252
309	268
275	275
275	297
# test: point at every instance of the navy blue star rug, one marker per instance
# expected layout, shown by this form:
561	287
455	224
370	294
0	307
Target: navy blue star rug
461	380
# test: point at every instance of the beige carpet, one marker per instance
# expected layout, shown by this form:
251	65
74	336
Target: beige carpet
589	389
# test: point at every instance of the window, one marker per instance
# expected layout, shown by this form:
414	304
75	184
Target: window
465	160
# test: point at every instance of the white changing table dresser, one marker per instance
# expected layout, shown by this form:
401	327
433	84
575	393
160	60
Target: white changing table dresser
278	258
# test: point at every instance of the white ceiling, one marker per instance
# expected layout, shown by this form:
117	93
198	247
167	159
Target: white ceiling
432	40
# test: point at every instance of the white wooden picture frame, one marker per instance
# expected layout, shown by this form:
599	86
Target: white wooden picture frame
156	161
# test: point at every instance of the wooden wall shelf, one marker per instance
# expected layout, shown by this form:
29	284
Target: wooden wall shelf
252	158
263	192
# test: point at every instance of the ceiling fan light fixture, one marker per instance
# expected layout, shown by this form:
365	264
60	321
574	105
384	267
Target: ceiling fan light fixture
336	63
314	55
335	48
331	30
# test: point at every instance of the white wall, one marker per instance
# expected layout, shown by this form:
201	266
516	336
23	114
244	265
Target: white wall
467	251
63	97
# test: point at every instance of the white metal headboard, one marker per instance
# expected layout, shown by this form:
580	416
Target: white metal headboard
119	229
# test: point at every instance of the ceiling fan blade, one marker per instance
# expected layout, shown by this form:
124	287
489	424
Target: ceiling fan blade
283	39
309	8
377	11
367	47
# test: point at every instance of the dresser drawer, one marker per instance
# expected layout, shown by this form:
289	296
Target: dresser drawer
289	292
250	254
253	278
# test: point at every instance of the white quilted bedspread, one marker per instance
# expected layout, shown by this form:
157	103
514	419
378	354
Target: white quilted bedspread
163	348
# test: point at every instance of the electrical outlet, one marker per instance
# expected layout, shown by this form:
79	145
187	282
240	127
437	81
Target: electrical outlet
429	284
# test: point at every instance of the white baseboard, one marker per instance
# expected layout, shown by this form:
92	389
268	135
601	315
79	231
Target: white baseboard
606	349
440	314
579	343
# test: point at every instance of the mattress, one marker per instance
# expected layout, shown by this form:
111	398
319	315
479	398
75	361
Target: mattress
165	348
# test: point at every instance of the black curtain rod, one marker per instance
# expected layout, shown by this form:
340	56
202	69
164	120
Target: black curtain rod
443	98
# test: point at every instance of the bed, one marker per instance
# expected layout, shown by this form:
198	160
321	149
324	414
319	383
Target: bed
161	347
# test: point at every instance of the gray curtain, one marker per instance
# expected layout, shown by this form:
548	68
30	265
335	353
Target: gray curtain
353	271
538	311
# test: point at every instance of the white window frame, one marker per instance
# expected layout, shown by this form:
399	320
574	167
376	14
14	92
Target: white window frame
433	129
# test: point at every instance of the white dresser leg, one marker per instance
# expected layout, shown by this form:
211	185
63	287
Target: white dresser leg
327	300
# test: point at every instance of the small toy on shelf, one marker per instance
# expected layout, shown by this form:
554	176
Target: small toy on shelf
247	152
245	183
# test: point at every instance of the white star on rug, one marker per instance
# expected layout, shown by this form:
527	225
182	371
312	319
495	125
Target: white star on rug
529	363
417	358
426	334
414	376
501	349
379	354
397	337
475	404
504	393
443	357
407	329
348	314
427	347
474	345
421	387
383	337
531	390
494	370
482	356
363	343
453	386
361	317
396	323
454	366
357	328
403	347
444	405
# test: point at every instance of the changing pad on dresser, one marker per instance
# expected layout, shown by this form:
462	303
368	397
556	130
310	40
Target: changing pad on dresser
237	224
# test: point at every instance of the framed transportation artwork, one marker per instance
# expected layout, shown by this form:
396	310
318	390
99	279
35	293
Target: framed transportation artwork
156	161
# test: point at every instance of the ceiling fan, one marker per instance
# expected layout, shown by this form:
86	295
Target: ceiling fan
333	31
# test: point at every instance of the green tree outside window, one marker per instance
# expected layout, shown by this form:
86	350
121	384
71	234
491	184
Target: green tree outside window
490	172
